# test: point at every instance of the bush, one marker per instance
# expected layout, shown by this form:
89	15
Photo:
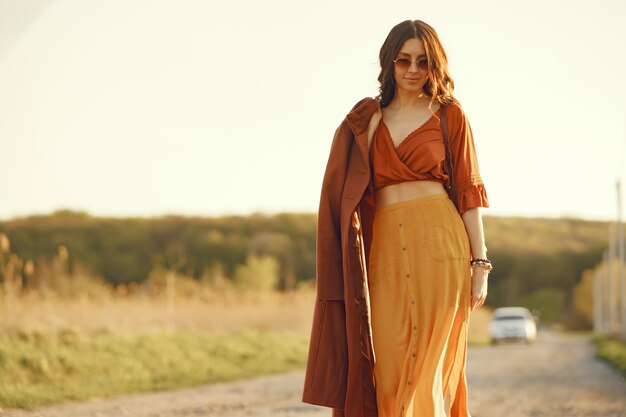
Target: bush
612	350
259	274
550	302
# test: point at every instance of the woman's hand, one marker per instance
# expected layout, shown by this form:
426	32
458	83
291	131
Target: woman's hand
479	287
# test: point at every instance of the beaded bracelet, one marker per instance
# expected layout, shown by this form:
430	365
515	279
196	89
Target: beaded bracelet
481	262
481	265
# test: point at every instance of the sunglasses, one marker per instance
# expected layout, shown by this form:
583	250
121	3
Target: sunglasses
405	63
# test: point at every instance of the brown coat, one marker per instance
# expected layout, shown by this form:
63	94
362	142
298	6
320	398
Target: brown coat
340	364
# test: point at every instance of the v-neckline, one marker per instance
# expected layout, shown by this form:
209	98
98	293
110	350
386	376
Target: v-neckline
382	120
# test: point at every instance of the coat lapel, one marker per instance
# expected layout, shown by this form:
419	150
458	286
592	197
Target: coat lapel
363	121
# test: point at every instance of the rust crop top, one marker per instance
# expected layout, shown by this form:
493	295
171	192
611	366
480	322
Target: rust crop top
421	156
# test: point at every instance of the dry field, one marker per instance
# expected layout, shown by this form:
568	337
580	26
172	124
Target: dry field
226	312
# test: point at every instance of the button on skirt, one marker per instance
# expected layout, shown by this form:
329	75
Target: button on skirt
419	278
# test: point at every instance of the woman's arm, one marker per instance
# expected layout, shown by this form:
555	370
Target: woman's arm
474	226
471	195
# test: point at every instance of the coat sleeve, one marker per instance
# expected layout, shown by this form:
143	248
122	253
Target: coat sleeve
326	374
469	184
329	269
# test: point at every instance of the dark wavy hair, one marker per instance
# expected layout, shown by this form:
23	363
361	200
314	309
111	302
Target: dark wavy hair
439	85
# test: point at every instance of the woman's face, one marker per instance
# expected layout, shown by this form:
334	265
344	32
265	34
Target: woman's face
413	78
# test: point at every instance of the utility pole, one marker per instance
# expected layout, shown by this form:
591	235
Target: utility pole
621	298
606	293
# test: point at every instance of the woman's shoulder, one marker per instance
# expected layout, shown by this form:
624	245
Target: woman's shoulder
455	113
361	113
454	108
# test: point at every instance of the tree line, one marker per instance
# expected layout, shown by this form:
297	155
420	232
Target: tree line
538	262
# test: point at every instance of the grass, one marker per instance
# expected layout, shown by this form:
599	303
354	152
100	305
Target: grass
612	350
54	349
44	368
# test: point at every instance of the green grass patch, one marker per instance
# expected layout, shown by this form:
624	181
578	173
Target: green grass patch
612	350
39	368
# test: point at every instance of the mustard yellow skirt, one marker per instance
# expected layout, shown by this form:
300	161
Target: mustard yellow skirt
420	287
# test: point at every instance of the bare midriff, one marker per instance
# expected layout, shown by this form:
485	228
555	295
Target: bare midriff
407	190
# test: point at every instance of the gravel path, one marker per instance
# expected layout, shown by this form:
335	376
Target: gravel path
556	377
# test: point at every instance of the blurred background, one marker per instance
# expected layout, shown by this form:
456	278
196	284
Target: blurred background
161	163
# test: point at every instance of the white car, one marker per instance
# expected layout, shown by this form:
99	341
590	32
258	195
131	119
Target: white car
512	323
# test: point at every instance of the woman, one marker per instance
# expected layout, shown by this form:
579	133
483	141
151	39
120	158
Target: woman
399	265
423	275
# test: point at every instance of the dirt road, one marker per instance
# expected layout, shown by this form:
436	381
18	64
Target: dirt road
556	377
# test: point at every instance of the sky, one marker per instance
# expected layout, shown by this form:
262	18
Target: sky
202	107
